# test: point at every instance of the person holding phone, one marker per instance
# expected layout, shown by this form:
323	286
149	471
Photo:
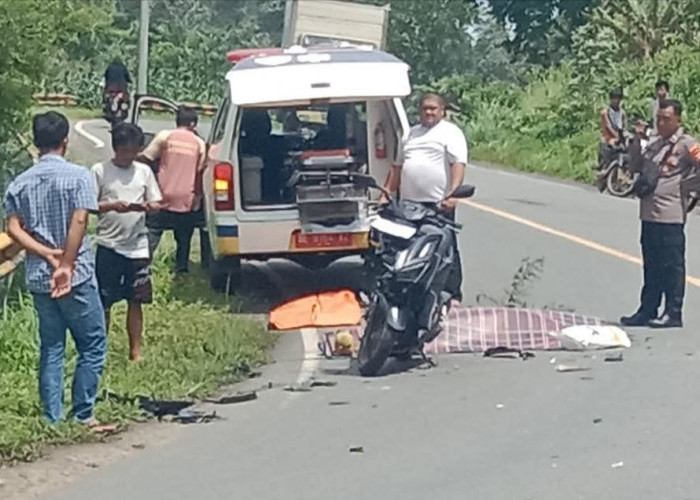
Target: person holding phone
126	190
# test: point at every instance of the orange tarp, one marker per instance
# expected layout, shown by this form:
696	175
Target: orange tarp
326	309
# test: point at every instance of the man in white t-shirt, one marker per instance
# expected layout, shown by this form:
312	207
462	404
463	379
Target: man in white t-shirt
431	166
126	191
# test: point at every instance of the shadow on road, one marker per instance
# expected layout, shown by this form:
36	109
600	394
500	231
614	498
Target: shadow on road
264	285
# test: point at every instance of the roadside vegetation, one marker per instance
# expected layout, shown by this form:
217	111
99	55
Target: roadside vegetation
193	344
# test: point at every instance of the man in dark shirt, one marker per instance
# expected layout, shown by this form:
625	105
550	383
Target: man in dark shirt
116	76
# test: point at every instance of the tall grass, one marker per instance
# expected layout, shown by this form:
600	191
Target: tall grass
192	345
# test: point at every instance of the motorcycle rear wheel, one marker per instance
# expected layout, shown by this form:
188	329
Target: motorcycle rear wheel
378	339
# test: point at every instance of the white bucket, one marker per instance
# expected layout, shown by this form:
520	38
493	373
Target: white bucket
251	178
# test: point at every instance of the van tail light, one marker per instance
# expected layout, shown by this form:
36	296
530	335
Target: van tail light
223	187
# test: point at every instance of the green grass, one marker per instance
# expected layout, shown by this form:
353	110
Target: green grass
192	345
571	158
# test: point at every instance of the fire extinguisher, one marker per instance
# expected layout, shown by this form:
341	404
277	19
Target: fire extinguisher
379	142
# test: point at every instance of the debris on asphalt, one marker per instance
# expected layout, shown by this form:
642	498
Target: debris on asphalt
298	388
552	361
339	403
239	397
196	417
597	420
162	408
584	337
571	368
322	383
138	446
307	385
505	352
500	406
617	465
357	449
613	358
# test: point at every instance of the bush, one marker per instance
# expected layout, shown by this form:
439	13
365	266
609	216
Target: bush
551	125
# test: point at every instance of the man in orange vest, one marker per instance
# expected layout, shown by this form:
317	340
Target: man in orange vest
180	155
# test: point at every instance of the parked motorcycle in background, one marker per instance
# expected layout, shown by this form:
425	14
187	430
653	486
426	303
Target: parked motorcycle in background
413	249
614	175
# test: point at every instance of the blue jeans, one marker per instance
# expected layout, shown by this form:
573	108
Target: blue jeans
80	312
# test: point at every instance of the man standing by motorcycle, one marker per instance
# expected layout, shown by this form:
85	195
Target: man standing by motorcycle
431	166
669	171
613	123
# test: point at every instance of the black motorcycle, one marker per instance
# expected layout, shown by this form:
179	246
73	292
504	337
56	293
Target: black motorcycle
413	249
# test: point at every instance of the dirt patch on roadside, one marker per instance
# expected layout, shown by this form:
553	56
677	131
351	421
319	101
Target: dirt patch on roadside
66	464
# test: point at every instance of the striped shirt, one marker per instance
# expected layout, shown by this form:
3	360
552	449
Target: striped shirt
44	197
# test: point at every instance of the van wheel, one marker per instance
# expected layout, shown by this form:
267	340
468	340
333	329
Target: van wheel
225	274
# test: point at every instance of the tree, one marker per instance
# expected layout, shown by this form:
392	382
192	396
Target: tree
639	29
31	31
432	36
542	28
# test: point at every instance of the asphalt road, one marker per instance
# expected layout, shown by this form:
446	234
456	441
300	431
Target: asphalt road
473	427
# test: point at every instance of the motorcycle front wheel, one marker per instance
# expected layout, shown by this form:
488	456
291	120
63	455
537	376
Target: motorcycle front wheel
620	181
378	339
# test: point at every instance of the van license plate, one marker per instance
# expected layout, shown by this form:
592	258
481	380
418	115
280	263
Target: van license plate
323	240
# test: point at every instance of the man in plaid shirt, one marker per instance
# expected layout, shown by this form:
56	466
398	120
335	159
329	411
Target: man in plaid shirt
47	209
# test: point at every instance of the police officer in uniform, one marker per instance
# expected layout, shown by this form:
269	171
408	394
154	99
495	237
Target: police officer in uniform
663	211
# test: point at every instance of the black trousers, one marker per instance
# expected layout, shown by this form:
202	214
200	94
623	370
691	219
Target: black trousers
183	225
663	250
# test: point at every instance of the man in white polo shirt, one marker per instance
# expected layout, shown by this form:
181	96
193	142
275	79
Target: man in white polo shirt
431	167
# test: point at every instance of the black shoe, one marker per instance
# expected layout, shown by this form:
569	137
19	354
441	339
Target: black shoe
637	319
666	321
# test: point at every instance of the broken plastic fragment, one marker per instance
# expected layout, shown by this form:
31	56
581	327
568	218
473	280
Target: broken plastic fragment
614	357
357	449
239	397
571	368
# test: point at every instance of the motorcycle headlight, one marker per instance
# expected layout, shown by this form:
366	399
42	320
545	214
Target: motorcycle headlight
427	248
401	259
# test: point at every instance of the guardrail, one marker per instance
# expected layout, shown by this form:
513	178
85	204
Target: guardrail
68	100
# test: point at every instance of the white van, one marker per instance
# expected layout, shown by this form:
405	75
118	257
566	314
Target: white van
292	128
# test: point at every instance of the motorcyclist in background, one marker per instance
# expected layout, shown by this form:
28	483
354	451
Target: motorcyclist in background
613	122
116	78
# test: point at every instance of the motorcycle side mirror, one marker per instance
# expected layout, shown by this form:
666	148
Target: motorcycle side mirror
463	191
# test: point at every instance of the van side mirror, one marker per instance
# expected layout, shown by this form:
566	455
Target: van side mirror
463	191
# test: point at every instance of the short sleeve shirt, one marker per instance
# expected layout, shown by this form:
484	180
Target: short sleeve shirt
44	197
426	160
125	233
180	152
